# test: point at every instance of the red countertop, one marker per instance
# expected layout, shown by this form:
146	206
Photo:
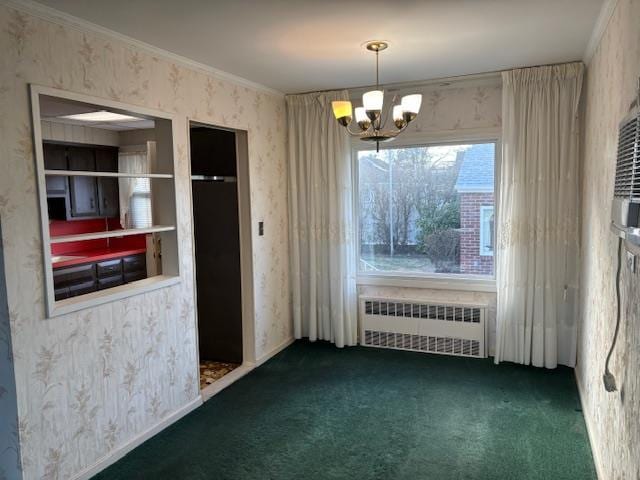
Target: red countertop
97	255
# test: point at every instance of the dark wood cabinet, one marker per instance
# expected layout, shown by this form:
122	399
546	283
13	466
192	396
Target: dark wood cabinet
83	194
73	281
83	190
81	159
86	197
55	158
109	268
108	192
134	267
92	276
106	160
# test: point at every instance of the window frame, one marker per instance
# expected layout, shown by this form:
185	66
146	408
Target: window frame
173	276
469	282
482	250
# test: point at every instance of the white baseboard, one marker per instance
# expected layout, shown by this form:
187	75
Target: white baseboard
274	351
121	451
590	431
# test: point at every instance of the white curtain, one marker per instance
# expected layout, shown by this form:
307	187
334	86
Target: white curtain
134	192
538	218
320	212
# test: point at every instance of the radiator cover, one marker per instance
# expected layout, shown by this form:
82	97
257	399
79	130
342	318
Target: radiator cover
444	328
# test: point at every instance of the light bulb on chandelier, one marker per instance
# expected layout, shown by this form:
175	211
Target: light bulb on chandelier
369	117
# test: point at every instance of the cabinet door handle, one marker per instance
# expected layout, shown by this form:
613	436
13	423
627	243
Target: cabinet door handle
91	202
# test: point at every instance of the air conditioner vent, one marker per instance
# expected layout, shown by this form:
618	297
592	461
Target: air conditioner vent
423	327
422	343
627	181
450	313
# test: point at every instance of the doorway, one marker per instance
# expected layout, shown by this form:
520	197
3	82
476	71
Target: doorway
222	247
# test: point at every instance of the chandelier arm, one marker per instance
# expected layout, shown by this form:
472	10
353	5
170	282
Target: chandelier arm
392	133
356	134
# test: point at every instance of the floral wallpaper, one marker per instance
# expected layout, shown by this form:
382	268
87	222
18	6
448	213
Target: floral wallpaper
611	83
453	109
91	381
461	105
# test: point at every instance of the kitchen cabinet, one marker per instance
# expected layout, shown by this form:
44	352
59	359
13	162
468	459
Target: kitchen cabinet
85	196
55	158
83	190
108	196
109	273
73	281
134	267
100	275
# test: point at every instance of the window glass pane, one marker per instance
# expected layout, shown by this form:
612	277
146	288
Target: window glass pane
426	210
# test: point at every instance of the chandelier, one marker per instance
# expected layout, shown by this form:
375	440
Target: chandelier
370	117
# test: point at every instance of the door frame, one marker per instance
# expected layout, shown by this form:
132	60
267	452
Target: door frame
246	258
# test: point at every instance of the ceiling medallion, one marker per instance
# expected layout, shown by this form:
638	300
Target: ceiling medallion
369	117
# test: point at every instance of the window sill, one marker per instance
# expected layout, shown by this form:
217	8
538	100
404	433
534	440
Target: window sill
440	282
93	299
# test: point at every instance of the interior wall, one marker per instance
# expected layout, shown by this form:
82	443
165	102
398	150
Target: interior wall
613	418
451	111
136	137
91	382
62	132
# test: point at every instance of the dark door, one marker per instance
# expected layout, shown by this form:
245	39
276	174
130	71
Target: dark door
217	242
213	152
83	190
108	200
217	253
55	158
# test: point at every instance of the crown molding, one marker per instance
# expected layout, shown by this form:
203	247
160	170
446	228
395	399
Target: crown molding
55	16
606	12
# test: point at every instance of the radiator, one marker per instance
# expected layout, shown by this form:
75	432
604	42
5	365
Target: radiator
449	329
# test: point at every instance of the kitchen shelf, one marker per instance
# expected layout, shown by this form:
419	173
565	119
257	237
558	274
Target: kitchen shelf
80	173
112	233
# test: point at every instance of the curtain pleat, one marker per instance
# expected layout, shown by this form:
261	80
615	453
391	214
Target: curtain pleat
538	221
320	208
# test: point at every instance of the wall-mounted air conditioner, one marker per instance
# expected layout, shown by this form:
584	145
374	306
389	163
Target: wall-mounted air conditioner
625	210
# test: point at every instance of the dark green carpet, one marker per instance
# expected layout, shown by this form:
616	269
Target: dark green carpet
318	412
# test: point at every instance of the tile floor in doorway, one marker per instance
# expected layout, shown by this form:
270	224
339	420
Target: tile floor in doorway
210	371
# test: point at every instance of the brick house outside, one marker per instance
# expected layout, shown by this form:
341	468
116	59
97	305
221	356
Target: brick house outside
475	187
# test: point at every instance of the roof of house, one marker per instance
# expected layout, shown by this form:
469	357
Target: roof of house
476	172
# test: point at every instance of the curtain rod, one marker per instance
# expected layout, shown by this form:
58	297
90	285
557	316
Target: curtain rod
417	83
435	81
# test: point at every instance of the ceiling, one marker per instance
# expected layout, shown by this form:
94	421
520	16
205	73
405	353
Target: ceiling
305	45
53	108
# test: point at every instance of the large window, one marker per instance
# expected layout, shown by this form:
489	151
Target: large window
427	210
